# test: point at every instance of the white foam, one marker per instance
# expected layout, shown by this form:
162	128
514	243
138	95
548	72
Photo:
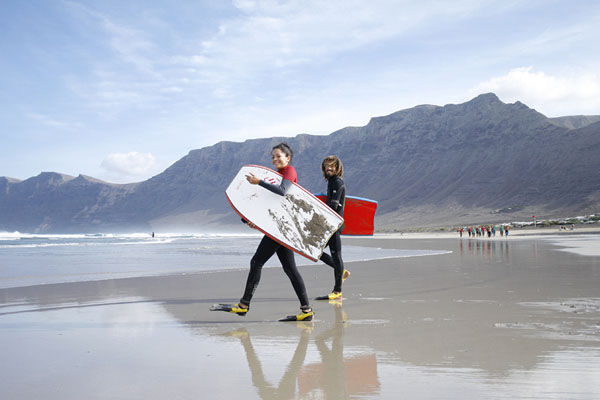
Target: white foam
84	257
584	245
68	240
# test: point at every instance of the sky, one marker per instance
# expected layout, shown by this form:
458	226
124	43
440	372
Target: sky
120	90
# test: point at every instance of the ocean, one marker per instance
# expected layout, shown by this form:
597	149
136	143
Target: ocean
34	259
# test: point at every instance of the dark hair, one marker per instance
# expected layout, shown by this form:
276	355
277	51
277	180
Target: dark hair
339	167
285	148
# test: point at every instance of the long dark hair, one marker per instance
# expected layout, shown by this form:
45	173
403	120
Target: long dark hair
339	167
286	149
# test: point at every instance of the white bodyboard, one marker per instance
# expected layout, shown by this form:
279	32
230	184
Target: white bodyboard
297	220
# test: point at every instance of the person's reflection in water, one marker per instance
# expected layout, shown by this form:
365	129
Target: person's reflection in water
333	380
489	250
337	377
287	385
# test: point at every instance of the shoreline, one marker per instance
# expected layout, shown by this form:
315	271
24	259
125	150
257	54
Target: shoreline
514	232
516	315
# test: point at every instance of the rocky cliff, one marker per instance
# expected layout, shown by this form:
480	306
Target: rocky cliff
479	161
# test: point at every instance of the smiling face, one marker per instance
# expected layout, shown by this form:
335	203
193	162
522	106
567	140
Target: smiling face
279	159
332	166
330	169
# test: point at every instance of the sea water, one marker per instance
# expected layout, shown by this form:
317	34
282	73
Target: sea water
33	259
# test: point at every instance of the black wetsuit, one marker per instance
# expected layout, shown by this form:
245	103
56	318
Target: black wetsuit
268	247
336	197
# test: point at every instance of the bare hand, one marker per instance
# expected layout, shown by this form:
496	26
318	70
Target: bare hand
252	179
251	225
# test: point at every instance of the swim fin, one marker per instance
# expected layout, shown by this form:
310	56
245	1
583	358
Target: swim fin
303	316
345	275
330	296
232	308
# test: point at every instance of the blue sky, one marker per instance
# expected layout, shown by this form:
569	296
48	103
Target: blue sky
119	90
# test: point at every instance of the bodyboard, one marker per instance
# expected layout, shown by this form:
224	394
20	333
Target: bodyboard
298	220
359	215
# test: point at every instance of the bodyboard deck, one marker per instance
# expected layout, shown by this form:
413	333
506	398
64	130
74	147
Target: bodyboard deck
297	220
359	215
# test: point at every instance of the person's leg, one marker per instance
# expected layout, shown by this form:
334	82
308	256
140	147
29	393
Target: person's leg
335	245
286	256
334	260
265	250
327	259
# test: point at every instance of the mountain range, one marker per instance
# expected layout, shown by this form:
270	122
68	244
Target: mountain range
483	161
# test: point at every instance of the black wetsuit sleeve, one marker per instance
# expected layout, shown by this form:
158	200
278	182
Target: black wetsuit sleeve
336	193
280	189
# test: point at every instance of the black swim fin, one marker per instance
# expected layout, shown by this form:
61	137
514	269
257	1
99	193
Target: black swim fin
330	296
303	316
232	308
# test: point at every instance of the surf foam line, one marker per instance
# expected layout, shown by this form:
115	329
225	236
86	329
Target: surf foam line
83	244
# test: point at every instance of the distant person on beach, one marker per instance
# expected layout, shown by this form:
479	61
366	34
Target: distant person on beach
281	156
333	171
506	231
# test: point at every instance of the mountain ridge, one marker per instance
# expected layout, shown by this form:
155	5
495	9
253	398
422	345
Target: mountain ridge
427	165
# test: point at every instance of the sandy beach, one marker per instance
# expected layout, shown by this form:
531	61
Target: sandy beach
495	318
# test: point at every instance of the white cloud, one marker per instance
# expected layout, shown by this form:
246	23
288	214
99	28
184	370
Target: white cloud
549	94
269	35
266	43
122	167
50	121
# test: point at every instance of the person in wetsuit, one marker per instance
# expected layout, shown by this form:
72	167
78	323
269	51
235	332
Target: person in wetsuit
333	171
281	156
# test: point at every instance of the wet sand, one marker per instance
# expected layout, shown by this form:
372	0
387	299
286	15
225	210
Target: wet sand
502	318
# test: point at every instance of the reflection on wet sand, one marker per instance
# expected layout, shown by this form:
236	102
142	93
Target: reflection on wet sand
337	376
485	249
334	377
286	389
488	320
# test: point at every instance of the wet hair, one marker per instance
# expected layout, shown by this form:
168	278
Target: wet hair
337	163
285	148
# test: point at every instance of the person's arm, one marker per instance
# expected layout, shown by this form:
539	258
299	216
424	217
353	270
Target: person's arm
337	191
280	189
